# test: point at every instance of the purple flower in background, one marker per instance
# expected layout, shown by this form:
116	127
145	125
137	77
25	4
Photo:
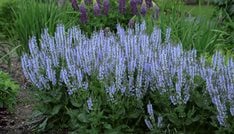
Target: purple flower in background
106	6
143	8
122	6
139	2
99	2
74	5
149	3
88	2
83	13
133	6
96	8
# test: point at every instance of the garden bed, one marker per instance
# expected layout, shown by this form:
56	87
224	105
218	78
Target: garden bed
17	120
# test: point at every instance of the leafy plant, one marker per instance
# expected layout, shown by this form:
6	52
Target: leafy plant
100	84
8	91
194	117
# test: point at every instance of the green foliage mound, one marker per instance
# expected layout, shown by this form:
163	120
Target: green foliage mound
8	91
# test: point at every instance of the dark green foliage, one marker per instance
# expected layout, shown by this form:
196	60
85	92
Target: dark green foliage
7	18
125	114
193	117
59	110
226	6
8	91
52	105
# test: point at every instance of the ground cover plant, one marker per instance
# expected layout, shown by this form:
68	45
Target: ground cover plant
129	82
8	92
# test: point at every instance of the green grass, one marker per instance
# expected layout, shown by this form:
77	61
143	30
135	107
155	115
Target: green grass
2	1
194	26
196	10
32	17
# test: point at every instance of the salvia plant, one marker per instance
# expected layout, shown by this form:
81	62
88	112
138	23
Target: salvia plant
128	64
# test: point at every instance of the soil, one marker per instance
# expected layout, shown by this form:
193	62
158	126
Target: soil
16	122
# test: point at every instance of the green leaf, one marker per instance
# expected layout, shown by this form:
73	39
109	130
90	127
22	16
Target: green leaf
83	118
75	103
133	115
56	109
73	113
1	104
43	124
190	113
196	118
173	118
107	126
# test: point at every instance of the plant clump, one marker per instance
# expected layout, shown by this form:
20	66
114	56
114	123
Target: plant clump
111	78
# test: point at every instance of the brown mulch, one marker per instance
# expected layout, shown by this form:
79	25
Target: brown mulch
17	121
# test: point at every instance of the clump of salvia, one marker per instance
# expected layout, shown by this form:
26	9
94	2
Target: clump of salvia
130	62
